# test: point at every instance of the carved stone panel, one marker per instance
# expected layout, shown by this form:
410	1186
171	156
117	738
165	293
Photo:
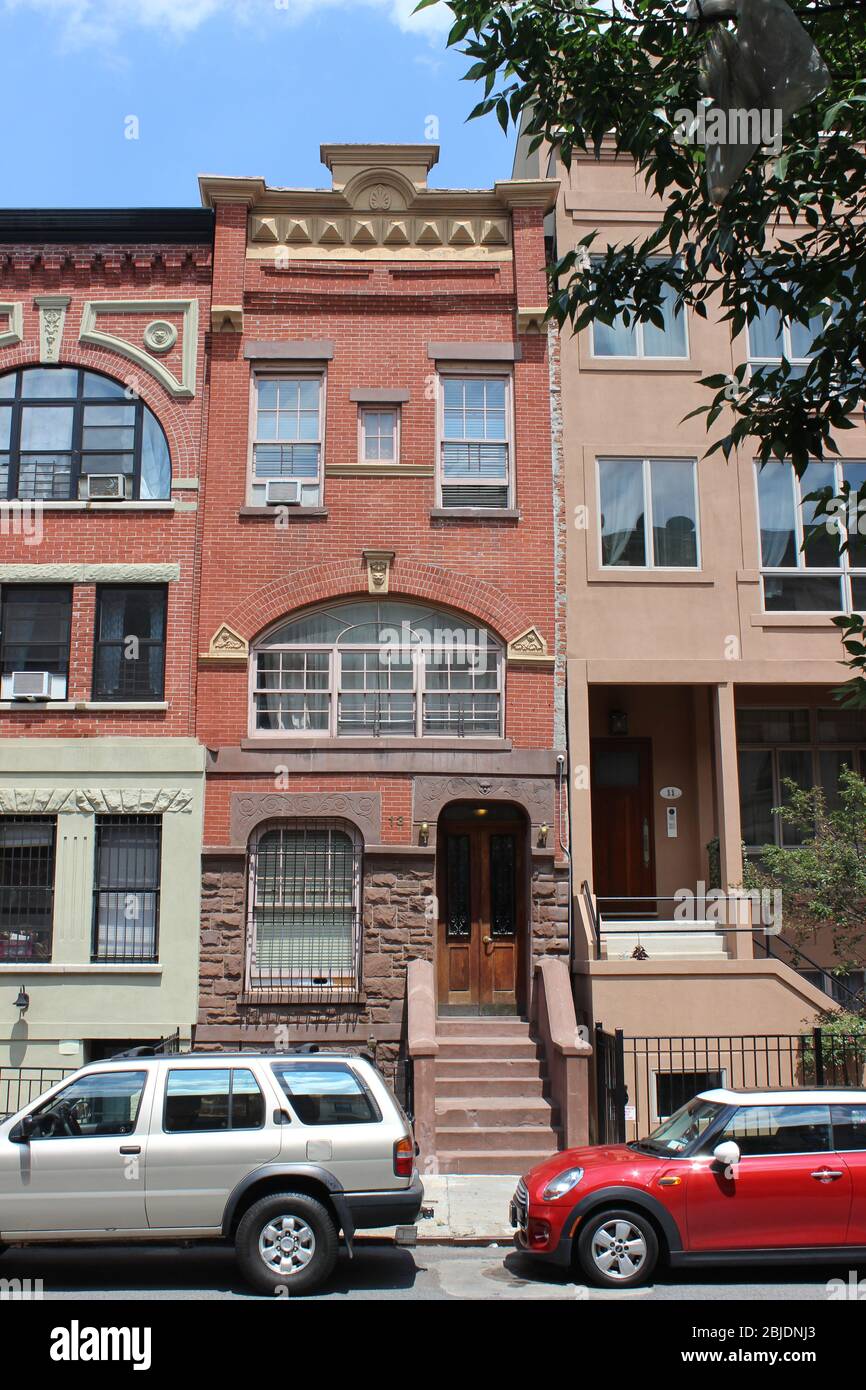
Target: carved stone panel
249	809
534	794
126	801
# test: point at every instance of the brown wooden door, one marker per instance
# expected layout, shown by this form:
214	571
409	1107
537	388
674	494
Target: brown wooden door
481	898
623	847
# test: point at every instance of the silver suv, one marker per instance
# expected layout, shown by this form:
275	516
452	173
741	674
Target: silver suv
277	1152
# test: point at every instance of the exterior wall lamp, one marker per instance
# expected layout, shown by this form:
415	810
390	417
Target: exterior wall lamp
543	832
22	1003
618	722
424	833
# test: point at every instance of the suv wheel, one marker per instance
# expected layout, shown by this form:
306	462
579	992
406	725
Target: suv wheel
286	1241
617	1248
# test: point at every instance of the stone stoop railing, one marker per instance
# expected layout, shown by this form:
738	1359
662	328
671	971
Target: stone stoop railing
423	1051
566	1050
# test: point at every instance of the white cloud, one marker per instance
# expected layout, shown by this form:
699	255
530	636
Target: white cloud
82	23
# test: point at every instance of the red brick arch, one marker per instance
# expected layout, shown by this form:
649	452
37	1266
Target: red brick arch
409	579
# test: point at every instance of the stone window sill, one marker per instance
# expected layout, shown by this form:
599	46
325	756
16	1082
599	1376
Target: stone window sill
626	575
795	620
367	745
475	513
649	365
23	967
283	512
84	706
132	505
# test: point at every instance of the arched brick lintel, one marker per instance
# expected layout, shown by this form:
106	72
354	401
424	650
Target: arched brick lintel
409	579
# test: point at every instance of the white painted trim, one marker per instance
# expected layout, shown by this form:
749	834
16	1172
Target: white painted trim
15	332
89	333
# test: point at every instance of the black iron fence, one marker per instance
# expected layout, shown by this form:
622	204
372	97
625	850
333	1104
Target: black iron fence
642	1080
20	1085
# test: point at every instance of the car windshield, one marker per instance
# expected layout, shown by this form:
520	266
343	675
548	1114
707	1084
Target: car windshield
683	1127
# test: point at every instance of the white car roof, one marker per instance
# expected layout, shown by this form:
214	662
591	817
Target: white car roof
821	1095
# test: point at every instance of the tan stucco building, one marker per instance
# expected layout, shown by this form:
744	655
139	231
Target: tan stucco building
701	657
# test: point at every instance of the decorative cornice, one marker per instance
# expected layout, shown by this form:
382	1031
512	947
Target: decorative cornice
89	333
14	311
89	574
528	193
20	801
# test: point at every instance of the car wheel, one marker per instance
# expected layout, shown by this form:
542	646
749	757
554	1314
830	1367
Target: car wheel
617	1248
286	1242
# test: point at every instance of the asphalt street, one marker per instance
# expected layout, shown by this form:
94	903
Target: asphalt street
381	1271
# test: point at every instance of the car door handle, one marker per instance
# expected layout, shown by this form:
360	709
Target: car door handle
130	1148
827	1174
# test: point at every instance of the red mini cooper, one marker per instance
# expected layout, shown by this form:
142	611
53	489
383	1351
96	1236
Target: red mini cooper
733	1176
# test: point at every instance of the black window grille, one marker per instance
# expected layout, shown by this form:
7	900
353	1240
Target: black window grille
129	656
60	426
35	622
304	907
26	887
126	888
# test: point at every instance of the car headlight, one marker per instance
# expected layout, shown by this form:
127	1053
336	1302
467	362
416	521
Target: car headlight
562	1184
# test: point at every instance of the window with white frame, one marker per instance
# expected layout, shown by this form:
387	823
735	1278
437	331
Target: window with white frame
806	565
772	337
809	747
379	431
648	513
667	339
287	434
304	906
377	669
475	463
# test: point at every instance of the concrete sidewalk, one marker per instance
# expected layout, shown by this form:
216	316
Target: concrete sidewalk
467	1210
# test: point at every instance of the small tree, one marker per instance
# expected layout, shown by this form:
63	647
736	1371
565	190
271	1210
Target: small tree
823	881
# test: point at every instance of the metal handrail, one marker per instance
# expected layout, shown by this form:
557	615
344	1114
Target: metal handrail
852	995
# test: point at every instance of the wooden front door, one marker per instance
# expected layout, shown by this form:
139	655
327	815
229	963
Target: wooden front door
481	914
623	848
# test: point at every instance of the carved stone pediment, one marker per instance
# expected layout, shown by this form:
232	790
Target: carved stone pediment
529	646
227	645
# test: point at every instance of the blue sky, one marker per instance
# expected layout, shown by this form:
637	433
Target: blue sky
223	86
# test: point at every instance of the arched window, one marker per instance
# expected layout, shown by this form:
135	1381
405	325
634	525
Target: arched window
378	668
304	906
66	434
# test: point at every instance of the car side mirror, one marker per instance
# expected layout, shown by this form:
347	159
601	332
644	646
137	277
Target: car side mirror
726	1154
22	1132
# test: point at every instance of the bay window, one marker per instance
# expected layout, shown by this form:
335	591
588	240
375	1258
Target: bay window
648	513
377	669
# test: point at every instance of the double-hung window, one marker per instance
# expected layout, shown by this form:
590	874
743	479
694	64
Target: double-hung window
126	888
377	669
648	513
805	564
475	463
773	337
129	660
619	339
35	623
287	441
379	435
304	928
26	887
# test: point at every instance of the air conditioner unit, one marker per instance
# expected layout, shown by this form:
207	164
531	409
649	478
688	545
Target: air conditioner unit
283	492
104	487
30	685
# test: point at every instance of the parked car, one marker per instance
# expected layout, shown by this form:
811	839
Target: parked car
279	1153
733	1176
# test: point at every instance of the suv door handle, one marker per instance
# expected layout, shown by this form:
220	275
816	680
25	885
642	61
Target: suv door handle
827	1174
130	1148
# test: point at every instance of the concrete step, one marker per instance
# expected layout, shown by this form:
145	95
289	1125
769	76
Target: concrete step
495	1048
516	1162
459	1138
664	946
494	1112
475	1084
491	1068
498	1025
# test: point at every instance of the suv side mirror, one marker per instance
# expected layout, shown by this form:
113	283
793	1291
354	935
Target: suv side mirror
21	1133
726	1154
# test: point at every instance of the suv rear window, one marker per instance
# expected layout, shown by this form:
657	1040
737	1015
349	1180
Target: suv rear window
212	1098
326	1093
